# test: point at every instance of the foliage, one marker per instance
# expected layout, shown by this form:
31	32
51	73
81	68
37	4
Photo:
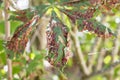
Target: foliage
66	18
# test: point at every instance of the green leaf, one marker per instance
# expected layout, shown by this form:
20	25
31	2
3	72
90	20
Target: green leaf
83	3
3	57
58	32
97	77
31	66
107	59
112	24
70	62
1	4
29	14
14	25
60	53
114	10
10	53
101	27
12	17
54	15
41	9
16	69
64	0
67	21
2	52
116	71
57	12
2	30
1	45
51	55
51	1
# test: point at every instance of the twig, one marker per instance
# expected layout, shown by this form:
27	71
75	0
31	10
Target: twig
42	32
13	5
101	57
94	49
34	36
103	70
79	53
116	44
7	35
9	63
115	50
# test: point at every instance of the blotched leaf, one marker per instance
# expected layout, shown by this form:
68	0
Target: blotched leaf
19	40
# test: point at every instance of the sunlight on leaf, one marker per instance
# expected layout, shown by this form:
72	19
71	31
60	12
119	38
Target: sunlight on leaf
57	13
32	56
3	71
49	11
107	59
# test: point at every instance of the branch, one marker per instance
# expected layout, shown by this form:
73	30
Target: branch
7	24
101	57
13	4
94	48
9	63
79	53
7	35
42	33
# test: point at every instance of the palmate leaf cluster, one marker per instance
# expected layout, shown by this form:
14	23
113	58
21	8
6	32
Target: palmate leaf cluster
79	14
64	16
